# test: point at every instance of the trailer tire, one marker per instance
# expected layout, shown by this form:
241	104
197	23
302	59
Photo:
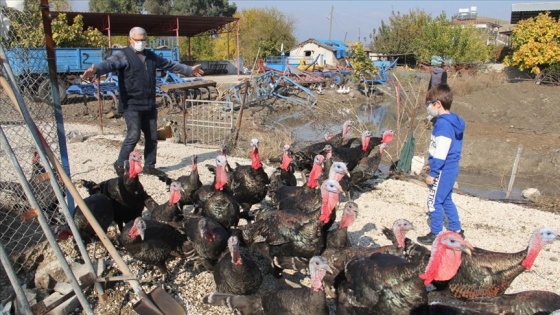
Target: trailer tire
44	91
337	79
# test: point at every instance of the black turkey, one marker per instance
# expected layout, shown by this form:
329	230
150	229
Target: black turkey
311	200
293	301
216	201
189	183
522	303
278	193
101	206
364	171
339	255
12	194
128	194
338	238
292	233
303	158
151	242
284	175
249	183
388	284
169	211
236	272
488	273
206	240
351	156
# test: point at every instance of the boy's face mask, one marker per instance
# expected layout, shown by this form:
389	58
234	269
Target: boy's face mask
431	109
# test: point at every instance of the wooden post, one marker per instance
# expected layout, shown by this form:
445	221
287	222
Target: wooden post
99	105
241	113
514	171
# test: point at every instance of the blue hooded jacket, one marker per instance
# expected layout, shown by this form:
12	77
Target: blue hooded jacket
446	143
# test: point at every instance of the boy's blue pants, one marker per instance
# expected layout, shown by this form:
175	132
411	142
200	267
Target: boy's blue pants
440	202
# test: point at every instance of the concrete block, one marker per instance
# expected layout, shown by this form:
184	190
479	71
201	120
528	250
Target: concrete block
67	307
63	287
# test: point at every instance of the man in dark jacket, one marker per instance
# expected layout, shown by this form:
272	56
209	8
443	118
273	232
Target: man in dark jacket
136	68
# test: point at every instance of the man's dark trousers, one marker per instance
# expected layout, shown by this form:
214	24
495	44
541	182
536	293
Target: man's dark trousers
136	121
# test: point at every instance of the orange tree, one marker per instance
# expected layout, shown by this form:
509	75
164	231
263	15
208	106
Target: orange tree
536	44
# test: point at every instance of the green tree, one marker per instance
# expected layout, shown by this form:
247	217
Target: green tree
27	30
362	64
395	36
157	6
266	29
116	6
60	5
536	44
461	43
203	7
65	35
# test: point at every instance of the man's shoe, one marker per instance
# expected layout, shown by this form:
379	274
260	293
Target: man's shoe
119	169
153	171
428	239
462	233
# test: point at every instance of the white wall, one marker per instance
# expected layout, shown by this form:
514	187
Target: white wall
329	57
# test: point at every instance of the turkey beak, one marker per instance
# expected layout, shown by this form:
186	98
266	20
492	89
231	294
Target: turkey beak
467	248
348	174
141	233
329	270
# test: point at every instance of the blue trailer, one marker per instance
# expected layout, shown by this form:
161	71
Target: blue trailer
31	65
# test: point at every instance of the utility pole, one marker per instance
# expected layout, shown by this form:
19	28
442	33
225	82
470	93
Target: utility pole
359	34
330	22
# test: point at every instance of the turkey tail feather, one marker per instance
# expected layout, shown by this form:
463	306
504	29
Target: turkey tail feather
90	186
246	304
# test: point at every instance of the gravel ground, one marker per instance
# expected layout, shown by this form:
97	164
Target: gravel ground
489	225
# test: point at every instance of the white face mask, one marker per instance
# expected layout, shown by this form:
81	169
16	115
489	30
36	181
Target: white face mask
432	111
139	45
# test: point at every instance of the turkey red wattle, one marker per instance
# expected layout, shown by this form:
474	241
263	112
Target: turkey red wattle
286	160
445	260
209	235
255	158
135	166
174	197
346	221
236	257
365	142
388	136
316	172
221	177
317	280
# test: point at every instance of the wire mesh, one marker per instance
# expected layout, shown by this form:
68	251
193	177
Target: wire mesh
23	41
209	123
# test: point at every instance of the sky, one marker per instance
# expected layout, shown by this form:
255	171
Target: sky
353	19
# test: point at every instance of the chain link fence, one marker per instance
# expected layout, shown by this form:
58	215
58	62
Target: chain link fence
19	230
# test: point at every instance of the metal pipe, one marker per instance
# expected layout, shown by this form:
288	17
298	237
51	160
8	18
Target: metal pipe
42	146
43	221
25	308
65	208
51	61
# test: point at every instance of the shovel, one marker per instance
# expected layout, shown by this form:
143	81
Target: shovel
158	303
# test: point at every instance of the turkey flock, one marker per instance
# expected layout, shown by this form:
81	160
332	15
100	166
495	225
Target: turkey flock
246	215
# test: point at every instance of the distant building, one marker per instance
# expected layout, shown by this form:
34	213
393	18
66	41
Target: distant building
324	52
523	11
494	27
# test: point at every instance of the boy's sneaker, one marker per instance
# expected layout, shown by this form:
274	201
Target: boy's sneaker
119	169
427	239
153	171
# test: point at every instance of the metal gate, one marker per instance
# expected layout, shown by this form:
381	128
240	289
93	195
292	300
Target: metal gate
207	123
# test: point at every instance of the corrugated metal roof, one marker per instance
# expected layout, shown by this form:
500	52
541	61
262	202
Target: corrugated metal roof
155	25
524	11
546	6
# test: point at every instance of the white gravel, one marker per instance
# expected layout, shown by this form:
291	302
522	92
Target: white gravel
490	225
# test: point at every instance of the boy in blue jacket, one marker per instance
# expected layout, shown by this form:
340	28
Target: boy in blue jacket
446	144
